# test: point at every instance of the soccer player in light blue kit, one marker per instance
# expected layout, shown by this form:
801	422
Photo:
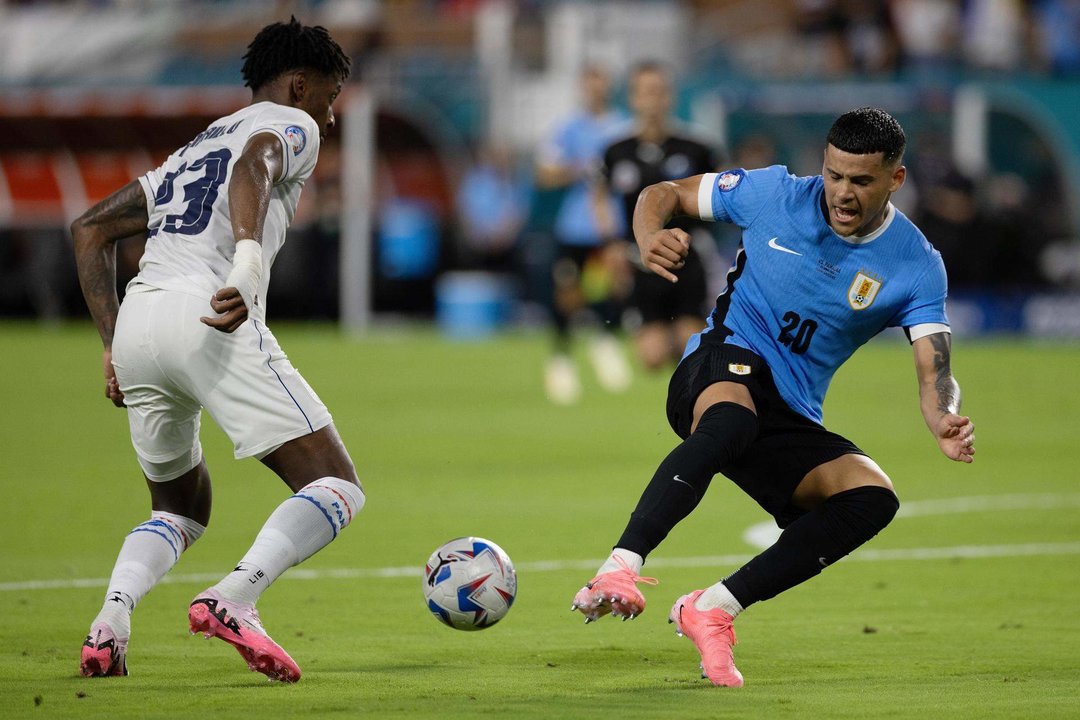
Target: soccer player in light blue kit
826	264
584	271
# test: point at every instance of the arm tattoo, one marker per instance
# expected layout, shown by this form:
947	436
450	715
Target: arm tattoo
120	215
124	210
948	391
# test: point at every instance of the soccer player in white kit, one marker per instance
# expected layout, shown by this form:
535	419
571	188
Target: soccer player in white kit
191	333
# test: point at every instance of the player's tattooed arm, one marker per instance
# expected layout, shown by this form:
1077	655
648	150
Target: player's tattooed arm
95	234
939	397
948	390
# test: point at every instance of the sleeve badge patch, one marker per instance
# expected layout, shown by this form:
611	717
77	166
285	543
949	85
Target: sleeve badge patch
296	138
729	180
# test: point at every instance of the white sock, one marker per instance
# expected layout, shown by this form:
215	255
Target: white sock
718	596
632	560
148	552
301	526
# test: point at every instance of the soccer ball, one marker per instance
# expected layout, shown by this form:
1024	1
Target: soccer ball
469	583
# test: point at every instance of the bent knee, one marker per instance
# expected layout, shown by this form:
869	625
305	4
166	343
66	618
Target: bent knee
846	472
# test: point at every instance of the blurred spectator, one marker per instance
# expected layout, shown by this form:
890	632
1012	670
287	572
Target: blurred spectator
929	31
986	242
1057	29
995	34
949	217
870	37
493	204
820	25
843	37
754	151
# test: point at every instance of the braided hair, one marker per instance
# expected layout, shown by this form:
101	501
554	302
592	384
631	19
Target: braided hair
281	47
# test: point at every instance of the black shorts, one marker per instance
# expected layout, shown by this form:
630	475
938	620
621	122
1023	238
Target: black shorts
660	300
788	445
569	262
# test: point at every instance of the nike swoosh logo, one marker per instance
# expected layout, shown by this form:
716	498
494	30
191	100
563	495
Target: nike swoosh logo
777	246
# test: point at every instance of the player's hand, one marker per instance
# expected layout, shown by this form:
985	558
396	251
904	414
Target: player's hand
664	251
956	437
231	310
112	387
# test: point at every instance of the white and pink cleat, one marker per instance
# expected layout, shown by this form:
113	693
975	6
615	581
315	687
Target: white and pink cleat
104	653
712	634
612	592
238	624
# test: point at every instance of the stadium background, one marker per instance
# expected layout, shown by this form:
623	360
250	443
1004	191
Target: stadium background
987	90
965	607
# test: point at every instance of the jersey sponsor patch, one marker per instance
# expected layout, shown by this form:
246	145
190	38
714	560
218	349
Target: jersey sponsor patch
297	138
738	369
729	180
864	288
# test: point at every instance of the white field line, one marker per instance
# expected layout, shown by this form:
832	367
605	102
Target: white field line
763	534
718	561
759	535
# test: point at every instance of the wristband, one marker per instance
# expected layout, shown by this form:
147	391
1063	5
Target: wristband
246	271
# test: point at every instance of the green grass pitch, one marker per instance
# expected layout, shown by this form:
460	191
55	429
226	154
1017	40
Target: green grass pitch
959	609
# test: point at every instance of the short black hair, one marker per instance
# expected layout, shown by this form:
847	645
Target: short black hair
866	131
281	47
649	65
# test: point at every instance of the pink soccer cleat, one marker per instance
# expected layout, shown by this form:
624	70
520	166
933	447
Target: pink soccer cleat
713	636
238	624
612	592
103	653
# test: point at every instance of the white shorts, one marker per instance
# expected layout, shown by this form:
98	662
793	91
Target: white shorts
170	366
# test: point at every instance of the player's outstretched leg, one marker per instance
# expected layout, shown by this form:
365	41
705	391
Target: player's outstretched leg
299	527
614	589
149	551
712	634
725	430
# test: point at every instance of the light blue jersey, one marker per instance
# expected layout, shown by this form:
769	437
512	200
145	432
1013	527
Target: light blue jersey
801	296
580	143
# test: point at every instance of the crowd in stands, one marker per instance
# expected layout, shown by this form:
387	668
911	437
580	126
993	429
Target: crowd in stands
495	218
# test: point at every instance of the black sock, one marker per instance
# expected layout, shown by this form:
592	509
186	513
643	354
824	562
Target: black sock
817	539
725	431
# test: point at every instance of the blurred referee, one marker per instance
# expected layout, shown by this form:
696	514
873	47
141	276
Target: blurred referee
665	315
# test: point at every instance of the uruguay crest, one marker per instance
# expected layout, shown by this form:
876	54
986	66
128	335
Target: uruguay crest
863	290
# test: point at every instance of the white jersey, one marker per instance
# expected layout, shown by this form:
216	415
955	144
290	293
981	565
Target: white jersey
190	245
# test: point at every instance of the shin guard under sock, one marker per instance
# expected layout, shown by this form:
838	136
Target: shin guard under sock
724	432
814	541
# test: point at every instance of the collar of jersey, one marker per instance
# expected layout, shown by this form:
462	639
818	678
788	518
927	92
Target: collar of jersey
853	240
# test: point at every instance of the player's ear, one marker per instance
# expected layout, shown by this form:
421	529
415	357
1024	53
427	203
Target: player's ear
898	177
298	86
